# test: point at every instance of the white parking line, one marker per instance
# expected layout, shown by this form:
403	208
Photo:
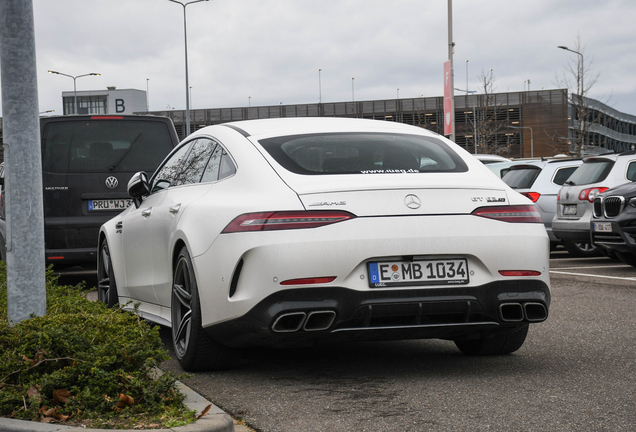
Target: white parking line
589	275
591	267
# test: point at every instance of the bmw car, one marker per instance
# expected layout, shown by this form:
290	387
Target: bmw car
294	232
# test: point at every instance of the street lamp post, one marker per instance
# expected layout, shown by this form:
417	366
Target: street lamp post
74	85
319	87
531	138
185	38
582	89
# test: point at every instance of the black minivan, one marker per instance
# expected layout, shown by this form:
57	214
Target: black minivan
87	162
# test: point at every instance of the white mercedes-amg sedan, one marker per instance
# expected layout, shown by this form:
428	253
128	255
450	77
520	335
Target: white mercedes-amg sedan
309	230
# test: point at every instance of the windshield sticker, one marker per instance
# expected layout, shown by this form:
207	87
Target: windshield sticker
390	171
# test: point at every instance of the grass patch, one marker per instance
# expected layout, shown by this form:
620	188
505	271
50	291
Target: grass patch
85	364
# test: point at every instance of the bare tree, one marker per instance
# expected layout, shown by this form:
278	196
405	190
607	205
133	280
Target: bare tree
487	118
578	79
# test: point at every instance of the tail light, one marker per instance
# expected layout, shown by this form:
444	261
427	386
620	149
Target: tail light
517	273
591	193
285	220
513	213
534	196
309	280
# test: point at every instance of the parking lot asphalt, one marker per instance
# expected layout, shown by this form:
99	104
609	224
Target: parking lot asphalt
566	273
598	269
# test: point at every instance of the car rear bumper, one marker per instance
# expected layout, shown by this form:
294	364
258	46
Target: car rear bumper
622	239
71	256
300	317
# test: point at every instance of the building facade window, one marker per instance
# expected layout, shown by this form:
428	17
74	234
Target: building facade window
86	105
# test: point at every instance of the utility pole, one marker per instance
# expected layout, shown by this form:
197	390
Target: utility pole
451	48
26	281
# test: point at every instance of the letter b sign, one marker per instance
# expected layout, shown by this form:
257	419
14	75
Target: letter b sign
119	106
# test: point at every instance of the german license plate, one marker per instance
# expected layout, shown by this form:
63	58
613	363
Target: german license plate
418	273
602	226
569	209
112	204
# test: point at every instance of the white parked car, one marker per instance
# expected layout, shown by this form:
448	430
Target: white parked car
300	231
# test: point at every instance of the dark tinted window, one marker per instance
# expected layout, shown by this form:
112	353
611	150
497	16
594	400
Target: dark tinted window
521	177
171	169
563	174
591	171
104	146
195	162
211	172
227	167
186	165
631	172
363	153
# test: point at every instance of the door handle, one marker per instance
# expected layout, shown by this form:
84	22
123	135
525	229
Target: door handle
175	208
145	213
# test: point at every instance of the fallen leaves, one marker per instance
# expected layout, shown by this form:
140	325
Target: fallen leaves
205	412
61	396
125	401
51	415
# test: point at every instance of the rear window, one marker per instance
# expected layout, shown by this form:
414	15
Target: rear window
104	146
563	174
521	177
591	171
363	153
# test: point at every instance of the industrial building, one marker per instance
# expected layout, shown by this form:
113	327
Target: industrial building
514	124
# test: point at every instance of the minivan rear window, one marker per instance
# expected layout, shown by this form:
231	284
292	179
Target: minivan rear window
363	153
591	171
521	177
104	146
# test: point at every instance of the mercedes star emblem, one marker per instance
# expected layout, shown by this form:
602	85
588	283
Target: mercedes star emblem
412	201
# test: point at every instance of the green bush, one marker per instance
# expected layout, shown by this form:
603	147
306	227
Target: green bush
85	364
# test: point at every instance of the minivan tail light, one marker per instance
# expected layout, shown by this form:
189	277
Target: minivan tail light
591	193
285	220
513	213
534	196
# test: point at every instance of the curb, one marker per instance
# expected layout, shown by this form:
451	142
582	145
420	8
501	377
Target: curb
216	420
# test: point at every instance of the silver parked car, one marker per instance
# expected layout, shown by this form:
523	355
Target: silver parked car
541	180
575	200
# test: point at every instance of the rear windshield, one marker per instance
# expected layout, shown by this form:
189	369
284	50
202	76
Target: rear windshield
521	177
104	146
591	171
363	153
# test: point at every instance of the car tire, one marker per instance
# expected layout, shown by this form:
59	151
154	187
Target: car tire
194	348
581	250
497	345
627	258
106	283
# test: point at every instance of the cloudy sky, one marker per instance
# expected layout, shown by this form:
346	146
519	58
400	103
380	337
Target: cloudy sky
265	52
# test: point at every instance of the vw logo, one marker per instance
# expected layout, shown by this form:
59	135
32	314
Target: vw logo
412	201
112	182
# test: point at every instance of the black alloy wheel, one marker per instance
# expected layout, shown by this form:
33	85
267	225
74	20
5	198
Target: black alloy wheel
194	348
581	250
106	284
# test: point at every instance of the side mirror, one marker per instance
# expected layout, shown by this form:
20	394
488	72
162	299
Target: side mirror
138	187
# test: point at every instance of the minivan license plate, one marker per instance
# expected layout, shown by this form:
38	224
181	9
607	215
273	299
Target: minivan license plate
113	204
569	209
418	273
602	226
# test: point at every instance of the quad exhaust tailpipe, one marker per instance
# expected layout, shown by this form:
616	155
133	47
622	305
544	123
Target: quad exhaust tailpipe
312	321
517	312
